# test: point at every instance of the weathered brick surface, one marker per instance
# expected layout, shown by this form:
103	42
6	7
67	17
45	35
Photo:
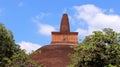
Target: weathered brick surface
53	55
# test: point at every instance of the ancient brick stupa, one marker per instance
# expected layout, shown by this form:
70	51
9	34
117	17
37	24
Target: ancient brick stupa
56	53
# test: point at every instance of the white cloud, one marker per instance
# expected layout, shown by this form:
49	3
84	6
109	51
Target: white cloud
28	46
44	29
96	18
82	32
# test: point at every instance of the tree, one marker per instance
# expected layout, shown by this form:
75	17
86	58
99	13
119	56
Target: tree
22	59
7	45
101	49
10	53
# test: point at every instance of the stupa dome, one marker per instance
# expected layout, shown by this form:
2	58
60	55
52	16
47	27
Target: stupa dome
53	55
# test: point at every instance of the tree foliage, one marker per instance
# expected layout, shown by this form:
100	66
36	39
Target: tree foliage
101	49
7	45
10	53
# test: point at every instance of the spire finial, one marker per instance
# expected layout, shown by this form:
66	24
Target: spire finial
64	27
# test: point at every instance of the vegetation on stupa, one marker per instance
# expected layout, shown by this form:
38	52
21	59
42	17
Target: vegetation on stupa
10	53
100	49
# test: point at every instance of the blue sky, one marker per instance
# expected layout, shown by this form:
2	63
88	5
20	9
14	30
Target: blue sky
31	21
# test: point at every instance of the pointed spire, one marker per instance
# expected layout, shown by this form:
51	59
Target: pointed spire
64	27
